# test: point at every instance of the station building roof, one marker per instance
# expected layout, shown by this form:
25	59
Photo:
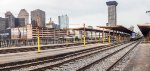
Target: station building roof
144	29
117	28
89	29
93	30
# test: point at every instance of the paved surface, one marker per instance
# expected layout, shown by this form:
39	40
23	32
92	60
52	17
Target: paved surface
15	57
141	61
32	46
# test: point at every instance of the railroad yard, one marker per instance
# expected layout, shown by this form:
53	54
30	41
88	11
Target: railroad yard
121	56
81	39
109	48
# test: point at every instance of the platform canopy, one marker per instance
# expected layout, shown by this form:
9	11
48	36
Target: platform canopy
144	29
89	29
117	28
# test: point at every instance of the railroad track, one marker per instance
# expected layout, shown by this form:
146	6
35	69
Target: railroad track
83	62
53	61
121	63
110	62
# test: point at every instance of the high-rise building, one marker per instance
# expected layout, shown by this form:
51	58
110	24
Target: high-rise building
19	22
10	23
2	23
24	14
38	18
63	21
112	14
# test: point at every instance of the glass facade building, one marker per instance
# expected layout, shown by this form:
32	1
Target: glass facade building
63	21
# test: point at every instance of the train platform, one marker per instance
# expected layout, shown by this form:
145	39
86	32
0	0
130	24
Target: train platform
35	46
141	61
16	57
50	45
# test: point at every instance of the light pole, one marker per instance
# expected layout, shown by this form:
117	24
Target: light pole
38	32
84	36
67	35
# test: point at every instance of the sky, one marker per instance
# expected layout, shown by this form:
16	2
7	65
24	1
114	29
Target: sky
91	12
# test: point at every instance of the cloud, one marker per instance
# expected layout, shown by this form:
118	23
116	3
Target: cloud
91	12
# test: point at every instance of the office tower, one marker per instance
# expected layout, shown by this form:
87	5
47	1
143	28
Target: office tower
10	22
2	23
63	21
19	22
24	14
38	18
112	14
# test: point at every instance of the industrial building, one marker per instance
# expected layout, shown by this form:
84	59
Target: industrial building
38	16
29	32
112	13
28	35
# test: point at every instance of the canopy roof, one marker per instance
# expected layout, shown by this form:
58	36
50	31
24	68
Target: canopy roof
117	28
89	29
93	30
144	29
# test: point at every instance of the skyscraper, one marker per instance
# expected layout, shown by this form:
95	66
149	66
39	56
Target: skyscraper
19	22
112	15
10	23
2	23
63	21
38	18
24	14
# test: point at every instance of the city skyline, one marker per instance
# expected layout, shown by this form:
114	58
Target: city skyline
93	12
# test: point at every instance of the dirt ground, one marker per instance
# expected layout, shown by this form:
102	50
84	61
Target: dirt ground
141	61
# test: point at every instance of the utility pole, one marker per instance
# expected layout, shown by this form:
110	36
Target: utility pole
84	36
74	36
38	32
67	35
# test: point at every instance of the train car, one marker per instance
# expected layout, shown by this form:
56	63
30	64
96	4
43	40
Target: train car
135	36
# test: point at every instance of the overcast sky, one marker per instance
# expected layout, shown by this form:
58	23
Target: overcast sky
90	12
